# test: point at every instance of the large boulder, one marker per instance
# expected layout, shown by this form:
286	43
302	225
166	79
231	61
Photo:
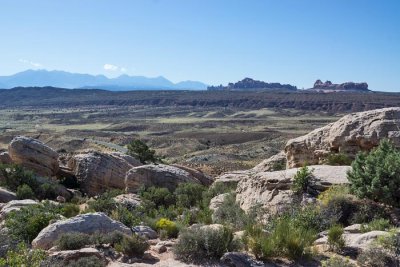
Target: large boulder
129	201
355	132
33	155
272	190
64	258
97	172
275	163
15	205
6	196
202	177
86	223
157	175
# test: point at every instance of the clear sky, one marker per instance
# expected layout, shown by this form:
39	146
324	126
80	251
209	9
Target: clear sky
214	41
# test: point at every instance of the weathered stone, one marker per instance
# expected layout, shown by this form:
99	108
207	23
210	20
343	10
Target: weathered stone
231	179
157	175
63	258
15	205
129	201
6	196
353	133
97	172
159	248
272	190
274	163
203	178
239	259
34	155
217	201
145	231
86	223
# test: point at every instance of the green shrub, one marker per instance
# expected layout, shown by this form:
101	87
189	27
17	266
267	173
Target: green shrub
377	175
284	238
229	213
168	226
334	191
376	257
23	256
25	192
189	195
302	180
125	216
376	225
199	244
46	191
15	175
336	241
159	196
339	210
141	151
105	202
73	240
26	223
338	159
336	261
69	210
132	246
99	239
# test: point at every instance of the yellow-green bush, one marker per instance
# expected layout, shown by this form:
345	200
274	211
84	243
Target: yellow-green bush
168	226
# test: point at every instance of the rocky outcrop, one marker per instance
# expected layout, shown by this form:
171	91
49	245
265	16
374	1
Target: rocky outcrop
274	163
6	196
34	155
250	84
15	205
157	175
129	201
203	178
64	258
355	132
97	172
240	259
348	86
86	223
272	190
145	231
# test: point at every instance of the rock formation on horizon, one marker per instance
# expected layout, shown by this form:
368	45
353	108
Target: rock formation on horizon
250	84
347	86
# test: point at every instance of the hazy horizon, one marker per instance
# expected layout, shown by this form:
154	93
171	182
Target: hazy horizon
214	42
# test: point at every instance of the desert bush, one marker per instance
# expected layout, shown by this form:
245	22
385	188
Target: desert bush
376	225
339	210
201	244
125	216
99	239
377	175
230	214
302	180
334	191
338	159
23	256
15	176
105	202
25	192
69	210
376	257
141	151
336	241
189	195
168	226
284	238
73	240
132	246
26	223
46	191
158	196
336	261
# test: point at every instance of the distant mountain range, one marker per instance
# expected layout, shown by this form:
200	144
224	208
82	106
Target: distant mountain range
62	79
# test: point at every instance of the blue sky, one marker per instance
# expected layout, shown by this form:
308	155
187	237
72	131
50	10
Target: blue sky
214	41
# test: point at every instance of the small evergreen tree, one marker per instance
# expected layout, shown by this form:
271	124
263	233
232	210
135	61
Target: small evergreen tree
377	175
141	151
